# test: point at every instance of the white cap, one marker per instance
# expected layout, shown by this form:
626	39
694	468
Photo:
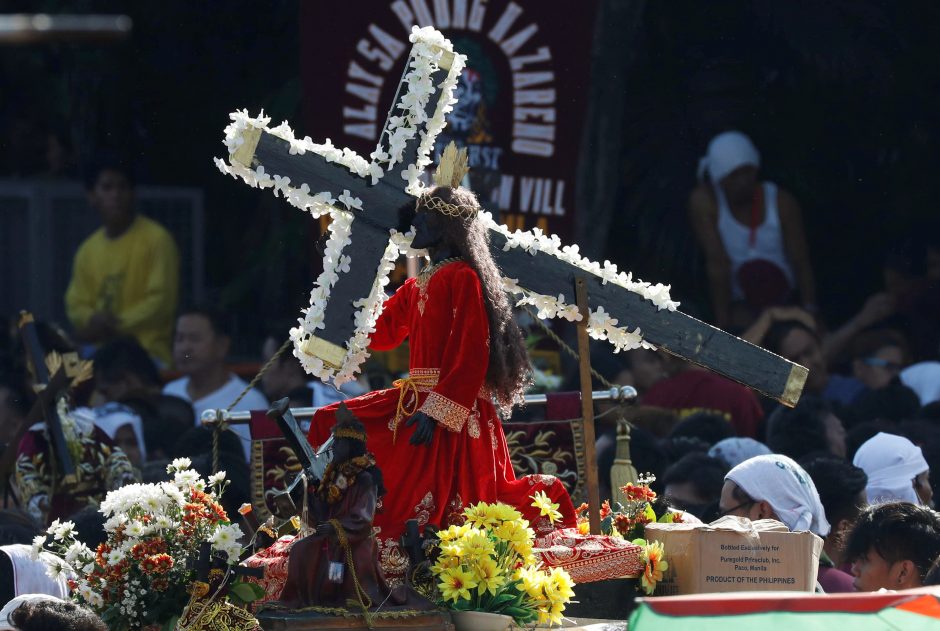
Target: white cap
726	152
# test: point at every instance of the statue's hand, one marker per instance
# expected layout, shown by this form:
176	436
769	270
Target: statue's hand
325	529
425	432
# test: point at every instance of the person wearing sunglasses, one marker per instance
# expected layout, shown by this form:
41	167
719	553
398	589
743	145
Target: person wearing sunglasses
878	357
775	487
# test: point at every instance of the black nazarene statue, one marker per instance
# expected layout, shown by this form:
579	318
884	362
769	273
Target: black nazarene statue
436	435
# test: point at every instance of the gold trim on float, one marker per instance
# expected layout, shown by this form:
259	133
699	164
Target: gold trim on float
447	59
245	153
794	387
330	353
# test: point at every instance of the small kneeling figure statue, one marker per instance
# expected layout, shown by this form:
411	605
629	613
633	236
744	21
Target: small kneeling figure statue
338	565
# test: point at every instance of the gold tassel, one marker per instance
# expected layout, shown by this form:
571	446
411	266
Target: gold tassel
622	471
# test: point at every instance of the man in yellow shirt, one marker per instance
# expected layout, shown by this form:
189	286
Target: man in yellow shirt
125	277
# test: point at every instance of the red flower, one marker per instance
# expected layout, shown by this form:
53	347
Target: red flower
139	551
605	510
638	493
623	524
157	564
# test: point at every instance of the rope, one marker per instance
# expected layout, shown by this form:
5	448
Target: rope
364	601
561	343
220	427
407	407
254	382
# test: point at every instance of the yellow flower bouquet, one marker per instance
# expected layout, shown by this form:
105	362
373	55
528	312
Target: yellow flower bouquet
487	564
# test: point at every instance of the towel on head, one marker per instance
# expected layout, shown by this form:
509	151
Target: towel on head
924	380
788	489
726	152
891	464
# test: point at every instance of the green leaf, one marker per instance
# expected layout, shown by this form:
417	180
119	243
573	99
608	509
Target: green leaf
461	605
170	624
518	614
246	592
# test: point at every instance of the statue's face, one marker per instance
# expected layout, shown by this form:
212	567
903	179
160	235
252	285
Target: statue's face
428	233
340	450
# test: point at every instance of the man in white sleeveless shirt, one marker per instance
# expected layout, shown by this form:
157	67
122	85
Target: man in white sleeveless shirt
751	233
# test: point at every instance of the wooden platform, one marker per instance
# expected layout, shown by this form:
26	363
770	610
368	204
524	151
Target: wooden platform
279	620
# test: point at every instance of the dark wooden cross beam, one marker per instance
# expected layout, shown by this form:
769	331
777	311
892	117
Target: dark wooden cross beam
49	390
370	231
672	331
541	273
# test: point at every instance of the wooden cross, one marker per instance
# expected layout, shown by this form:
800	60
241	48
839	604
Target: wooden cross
49	389
672	331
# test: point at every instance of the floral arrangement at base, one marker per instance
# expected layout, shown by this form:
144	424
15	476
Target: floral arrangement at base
487	564
628	519
140	576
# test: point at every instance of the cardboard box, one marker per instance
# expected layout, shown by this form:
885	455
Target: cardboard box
734	554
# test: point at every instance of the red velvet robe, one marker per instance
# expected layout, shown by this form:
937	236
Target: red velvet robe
468	460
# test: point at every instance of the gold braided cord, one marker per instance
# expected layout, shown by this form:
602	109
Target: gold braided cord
437	204
349	433
408	389
364	601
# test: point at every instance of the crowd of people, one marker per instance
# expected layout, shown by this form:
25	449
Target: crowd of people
851	462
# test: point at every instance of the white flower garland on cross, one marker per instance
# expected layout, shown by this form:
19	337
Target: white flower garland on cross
428	48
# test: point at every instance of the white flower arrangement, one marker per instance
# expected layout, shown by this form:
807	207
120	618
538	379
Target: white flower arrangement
429	46
137	576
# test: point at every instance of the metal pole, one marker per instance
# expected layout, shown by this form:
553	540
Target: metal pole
623	394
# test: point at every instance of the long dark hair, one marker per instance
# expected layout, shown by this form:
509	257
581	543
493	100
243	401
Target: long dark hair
508	374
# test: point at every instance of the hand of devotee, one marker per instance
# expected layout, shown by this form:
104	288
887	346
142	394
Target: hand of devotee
101	325
425	432
877	308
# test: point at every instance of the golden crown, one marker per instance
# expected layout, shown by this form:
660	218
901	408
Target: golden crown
450	172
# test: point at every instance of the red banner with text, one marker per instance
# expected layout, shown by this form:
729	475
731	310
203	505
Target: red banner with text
522	97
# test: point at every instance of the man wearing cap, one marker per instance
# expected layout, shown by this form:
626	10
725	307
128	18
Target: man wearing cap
752	235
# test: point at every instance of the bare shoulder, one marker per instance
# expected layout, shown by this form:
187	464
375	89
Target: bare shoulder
787	204
702	201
